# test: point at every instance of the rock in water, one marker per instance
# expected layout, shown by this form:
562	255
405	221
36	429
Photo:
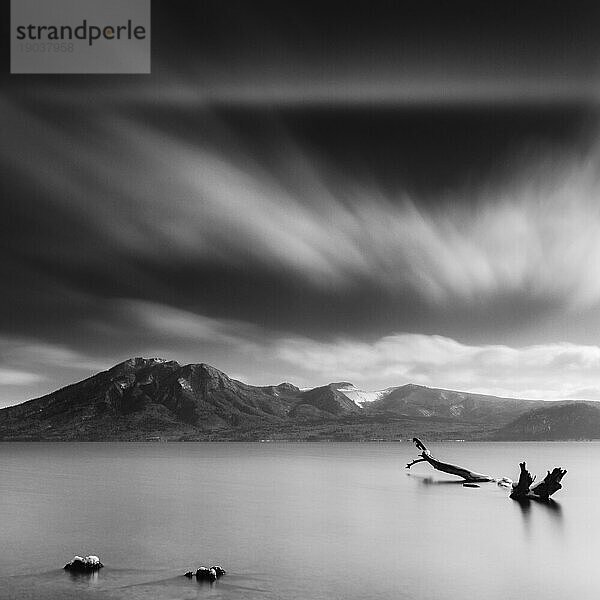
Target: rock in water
207	574
220	571
84	565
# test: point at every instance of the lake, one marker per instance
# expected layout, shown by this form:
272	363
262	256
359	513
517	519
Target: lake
294	521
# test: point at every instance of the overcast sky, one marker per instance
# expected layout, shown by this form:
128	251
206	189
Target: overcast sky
383	193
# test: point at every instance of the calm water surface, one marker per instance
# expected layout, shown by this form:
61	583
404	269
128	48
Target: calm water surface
294	521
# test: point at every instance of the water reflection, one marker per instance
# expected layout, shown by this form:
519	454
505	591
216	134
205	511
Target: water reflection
91	579
525	506
551	508
431	481
552	524
554	509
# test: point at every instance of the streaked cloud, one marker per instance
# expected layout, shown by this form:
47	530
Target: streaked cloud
32	367
536	235
39	354
166	325
539	237
13	377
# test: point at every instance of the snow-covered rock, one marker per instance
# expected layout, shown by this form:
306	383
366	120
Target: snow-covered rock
84	564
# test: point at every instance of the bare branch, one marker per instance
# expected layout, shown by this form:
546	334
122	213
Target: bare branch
466	474
417	460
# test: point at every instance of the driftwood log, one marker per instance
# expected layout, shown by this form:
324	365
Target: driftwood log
521	490
466	474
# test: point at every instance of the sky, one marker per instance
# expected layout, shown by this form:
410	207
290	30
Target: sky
383	193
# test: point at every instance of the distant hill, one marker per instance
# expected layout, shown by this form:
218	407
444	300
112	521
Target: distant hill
570	421
153	398
325	401
420	401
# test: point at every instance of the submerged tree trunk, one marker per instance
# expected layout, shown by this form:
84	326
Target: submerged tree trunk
522	490
466	474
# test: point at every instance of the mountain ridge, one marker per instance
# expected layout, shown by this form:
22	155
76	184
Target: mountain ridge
149	398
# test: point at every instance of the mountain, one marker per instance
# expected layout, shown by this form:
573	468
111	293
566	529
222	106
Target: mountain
146	395
420	401
565	421
325	401
142	398
153	398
